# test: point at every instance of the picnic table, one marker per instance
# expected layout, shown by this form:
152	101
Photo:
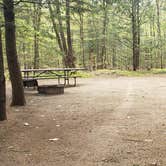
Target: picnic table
50	73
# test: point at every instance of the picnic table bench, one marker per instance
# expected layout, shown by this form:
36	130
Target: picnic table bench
30	76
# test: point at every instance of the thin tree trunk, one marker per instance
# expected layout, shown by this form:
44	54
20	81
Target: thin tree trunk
58	36
55	27
18	97
114	58
159	34
136	34
103	49
62	35
36	24
70	57
82	38
2	85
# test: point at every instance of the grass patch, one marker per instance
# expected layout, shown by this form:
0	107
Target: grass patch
83	74
130	73
159	71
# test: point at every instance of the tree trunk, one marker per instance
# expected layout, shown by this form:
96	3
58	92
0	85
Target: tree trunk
58	36
159	34
70	58
114	58
2	85
103	49
62	35
82	38
36	25
55	27
136	34
18	97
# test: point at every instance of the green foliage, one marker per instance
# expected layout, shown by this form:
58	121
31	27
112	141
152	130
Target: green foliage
117	39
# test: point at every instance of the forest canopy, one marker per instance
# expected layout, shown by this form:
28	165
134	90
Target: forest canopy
96	34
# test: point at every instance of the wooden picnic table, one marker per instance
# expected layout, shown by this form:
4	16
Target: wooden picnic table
65	73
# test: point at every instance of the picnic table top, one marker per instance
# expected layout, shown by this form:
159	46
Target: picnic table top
51	69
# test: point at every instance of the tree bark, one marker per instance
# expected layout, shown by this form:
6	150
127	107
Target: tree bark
2	85
82	38
55	27
103	49
61	31
18	97
159	34
58	34
70	57
136	34
36	25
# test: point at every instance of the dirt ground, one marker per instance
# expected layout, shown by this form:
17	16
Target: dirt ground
103	121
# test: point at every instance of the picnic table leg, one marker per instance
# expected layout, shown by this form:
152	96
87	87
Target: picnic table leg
66	77
27	75
68	81
64	81
74	81
59	79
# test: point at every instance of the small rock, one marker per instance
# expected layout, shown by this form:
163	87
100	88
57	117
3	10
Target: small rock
42	116
57	125
26	124
129	152
10	147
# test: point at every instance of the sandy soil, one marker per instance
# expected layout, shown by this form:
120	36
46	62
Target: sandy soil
102	122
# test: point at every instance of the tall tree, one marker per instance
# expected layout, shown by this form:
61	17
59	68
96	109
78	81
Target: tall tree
105	22
55	27
61	31
70	59
2	85
136	33
159	33
18	97
81	15
36	25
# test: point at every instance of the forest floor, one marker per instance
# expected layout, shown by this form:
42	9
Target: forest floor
104	121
